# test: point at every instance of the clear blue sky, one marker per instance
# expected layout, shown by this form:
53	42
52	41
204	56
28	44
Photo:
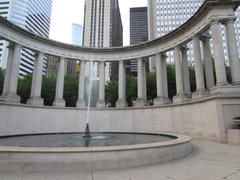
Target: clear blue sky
66	12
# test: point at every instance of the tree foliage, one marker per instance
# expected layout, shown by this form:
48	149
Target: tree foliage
2	72
71	90
111	93
171	80
48	89
151	86
24	88
131	89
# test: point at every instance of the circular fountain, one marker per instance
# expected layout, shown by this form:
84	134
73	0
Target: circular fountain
73	151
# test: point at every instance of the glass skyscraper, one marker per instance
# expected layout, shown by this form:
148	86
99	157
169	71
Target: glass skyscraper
32	15
173	13
77	34
138	31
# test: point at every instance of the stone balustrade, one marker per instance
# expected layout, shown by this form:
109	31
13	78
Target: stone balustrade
208	18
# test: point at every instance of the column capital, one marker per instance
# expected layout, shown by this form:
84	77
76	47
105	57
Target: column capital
184	48
205	37
177	47
230	19
196	37
37	53
13	45
216	20
163	55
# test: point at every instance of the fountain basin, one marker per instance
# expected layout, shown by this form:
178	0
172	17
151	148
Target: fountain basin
41	159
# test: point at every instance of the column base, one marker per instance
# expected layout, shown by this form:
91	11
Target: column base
81	104
101	104
139	102
38	101
180	98
10	98
200	94
161	101
221	90
121	104
59	103
236	83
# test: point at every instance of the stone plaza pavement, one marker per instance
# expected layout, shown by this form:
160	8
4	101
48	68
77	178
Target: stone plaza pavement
208	161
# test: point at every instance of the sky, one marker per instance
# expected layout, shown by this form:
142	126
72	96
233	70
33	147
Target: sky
66	12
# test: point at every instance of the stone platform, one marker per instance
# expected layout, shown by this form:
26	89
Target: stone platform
209	161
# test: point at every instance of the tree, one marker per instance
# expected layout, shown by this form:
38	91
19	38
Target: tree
48	89
71	90
151	86
111	93
171	80
2	72
24	88
192	78
131	89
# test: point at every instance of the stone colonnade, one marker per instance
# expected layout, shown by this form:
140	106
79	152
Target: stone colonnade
204	72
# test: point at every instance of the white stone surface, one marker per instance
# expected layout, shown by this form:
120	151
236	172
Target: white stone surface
233	136
42	159
209	118
208	161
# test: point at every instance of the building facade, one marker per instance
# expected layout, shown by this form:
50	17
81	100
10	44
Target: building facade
170	14
103	28
32	15
138	31
73	66
77	34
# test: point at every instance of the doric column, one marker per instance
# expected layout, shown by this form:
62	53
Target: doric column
180	96
36	98
152	29
186	77
11	77
59	101
199	74
81	86
144	81
140	75
233	50
165	77
208	62
121	85
218	53
160	79
101	98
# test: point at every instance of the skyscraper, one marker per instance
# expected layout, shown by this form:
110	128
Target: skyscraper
77	34
138	31
170	14
32	15
103	28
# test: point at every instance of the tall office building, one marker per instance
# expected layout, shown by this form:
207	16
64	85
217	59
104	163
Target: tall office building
138	31
77	34
103	28
32	15
170	14
73	66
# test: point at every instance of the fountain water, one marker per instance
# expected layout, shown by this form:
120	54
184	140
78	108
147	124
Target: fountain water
92	75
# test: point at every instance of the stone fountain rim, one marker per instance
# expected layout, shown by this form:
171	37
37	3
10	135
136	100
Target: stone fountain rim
180	139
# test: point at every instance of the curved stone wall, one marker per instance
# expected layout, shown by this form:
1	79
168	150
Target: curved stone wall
208	119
